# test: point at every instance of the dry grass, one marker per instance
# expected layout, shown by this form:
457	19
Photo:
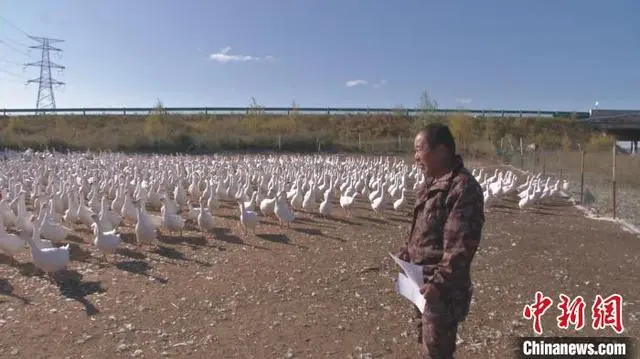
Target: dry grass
167	133
163	132
495	140
323	288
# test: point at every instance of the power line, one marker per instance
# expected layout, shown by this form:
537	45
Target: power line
7	42
11	62
16	43
11	47
12	74
13	26
46	98
11	81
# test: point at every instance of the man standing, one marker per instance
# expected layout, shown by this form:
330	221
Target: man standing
447	225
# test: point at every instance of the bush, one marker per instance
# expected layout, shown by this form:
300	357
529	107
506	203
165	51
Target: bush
199	133
599	142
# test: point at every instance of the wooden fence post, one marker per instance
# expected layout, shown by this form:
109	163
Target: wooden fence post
521	154
582	175
613	175
544	161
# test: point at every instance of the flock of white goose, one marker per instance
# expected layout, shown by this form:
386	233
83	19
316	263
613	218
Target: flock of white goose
103	192
535	189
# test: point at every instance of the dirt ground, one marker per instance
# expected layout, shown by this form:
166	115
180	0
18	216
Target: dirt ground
323	289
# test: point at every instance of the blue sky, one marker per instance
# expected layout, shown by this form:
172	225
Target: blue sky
492	54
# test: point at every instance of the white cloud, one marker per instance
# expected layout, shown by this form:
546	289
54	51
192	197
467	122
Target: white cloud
352	83
223	56
464	101
380	84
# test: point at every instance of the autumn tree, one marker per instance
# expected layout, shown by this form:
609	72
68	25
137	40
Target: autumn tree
155	123
294	117
462	130
426	108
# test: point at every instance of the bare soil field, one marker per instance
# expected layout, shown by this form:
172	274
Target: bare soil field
323	288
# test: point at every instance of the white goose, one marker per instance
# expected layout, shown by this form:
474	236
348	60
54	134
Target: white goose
145	232
309	200
10	243
248	219
9	218
212	202
250	204
282	210
205	220
180	195
267	206
48	260
379	202
51	230
109	219
296	200
106	242
128	209
170	221
399	204
154	221
346	202
192	212
71	214
526	200
325	205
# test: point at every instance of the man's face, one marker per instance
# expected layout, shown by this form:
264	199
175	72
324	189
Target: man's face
427	160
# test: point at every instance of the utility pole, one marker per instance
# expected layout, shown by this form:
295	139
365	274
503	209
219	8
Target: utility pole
46	98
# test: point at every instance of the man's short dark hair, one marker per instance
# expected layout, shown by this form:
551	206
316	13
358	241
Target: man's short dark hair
439	134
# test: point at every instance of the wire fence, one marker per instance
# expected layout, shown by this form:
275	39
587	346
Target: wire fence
589	173
607	184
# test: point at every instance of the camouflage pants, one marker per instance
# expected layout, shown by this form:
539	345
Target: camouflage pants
437	331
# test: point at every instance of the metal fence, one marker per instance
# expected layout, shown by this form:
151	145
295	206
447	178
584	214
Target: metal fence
590	174
608	184
396	145
285	110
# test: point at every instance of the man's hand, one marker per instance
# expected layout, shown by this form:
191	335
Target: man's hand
429	290
403	255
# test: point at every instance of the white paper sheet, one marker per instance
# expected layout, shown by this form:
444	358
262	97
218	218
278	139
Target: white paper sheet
413	271
410	280
408	289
